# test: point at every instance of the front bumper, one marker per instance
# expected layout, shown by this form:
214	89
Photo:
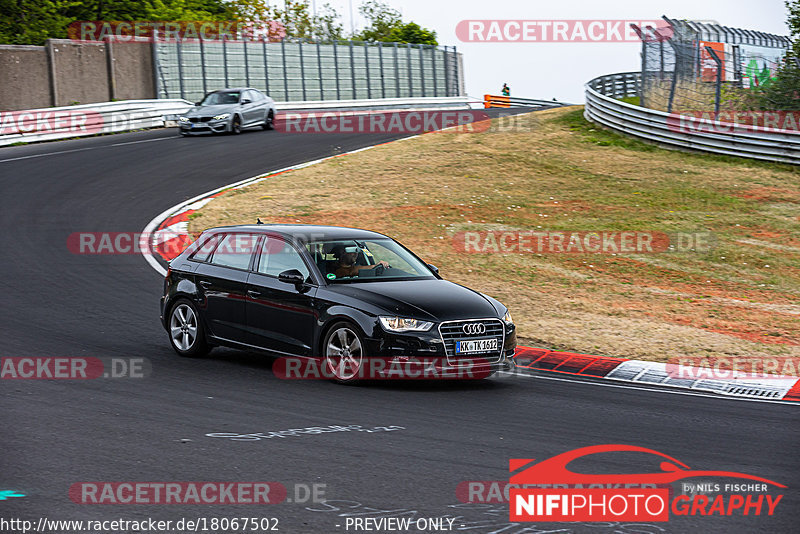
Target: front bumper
210	127
423	355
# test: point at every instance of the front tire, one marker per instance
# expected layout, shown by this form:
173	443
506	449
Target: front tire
343	350
236	125
186	334
269	121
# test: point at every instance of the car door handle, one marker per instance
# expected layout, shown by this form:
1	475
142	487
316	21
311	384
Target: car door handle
253	294
204	284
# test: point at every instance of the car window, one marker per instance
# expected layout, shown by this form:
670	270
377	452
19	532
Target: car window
235	251
249	95
205	250
277	256
350	260
219	98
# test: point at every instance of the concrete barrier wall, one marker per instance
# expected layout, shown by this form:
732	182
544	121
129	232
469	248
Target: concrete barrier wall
65	72
81	72
24	73
133	71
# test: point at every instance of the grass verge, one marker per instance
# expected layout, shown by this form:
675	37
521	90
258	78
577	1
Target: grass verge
557	172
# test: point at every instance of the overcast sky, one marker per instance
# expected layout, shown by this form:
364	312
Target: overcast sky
548	70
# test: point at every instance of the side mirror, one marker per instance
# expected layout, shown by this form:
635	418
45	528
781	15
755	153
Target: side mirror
433	268
292	276
246	101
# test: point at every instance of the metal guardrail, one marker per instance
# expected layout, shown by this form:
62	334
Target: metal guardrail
452	102
603	107
49	124
495	101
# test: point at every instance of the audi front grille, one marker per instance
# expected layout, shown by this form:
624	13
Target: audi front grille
452	331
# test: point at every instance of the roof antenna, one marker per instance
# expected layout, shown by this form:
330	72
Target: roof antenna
259	221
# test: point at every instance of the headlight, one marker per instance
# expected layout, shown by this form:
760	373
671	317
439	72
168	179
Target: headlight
507	318
399	324
183	119
221	117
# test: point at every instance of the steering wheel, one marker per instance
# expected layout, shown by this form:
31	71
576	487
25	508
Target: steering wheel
379	268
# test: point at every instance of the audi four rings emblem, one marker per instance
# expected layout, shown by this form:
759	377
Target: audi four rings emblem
472	329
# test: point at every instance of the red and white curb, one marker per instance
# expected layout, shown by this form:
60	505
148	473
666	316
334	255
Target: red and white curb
167	236
657	374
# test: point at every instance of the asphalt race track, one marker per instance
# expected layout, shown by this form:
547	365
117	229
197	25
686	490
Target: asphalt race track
56	433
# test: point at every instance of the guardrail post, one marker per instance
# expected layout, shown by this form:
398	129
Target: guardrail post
246	62
457	72
380	60
112	78
302	69
353	69
203	65
225	58
266	64
446	72
410	77
336	68
319	70
285	75
643	86
718	88
433	65
673	84
422	69
396	71
366	64
180	64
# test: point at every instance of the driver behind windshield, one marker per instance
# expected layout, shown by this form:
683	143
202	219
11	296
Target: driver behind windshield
346	258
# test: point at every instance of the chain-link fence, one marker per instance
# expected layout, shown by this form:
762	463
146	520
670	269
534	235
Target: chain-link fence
295	70
694	66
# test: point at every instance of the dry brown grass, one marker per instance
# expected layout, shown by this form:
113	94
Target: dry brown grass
740	299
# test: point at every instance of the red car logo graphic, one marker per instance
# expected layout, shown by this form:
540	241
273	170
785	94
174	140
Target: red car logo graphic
554	470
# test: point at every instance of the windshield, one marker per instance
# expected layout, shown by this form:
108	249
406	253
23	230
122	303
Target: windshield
216	99
351	260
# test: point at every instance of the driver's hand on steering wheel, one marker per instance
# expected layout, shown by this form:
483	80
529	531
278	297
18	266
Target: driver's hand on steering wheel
383	263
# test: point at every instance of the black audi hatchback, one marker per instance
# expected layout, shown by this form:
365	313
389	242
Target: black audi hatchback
334	296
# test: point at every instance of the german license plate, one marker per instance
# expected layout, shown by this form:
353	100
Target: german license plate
476	345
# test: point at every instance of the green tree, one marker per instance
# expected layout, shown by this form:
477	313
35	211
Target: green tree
35	21
299	22
412	33
794	24
386	24
783	92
